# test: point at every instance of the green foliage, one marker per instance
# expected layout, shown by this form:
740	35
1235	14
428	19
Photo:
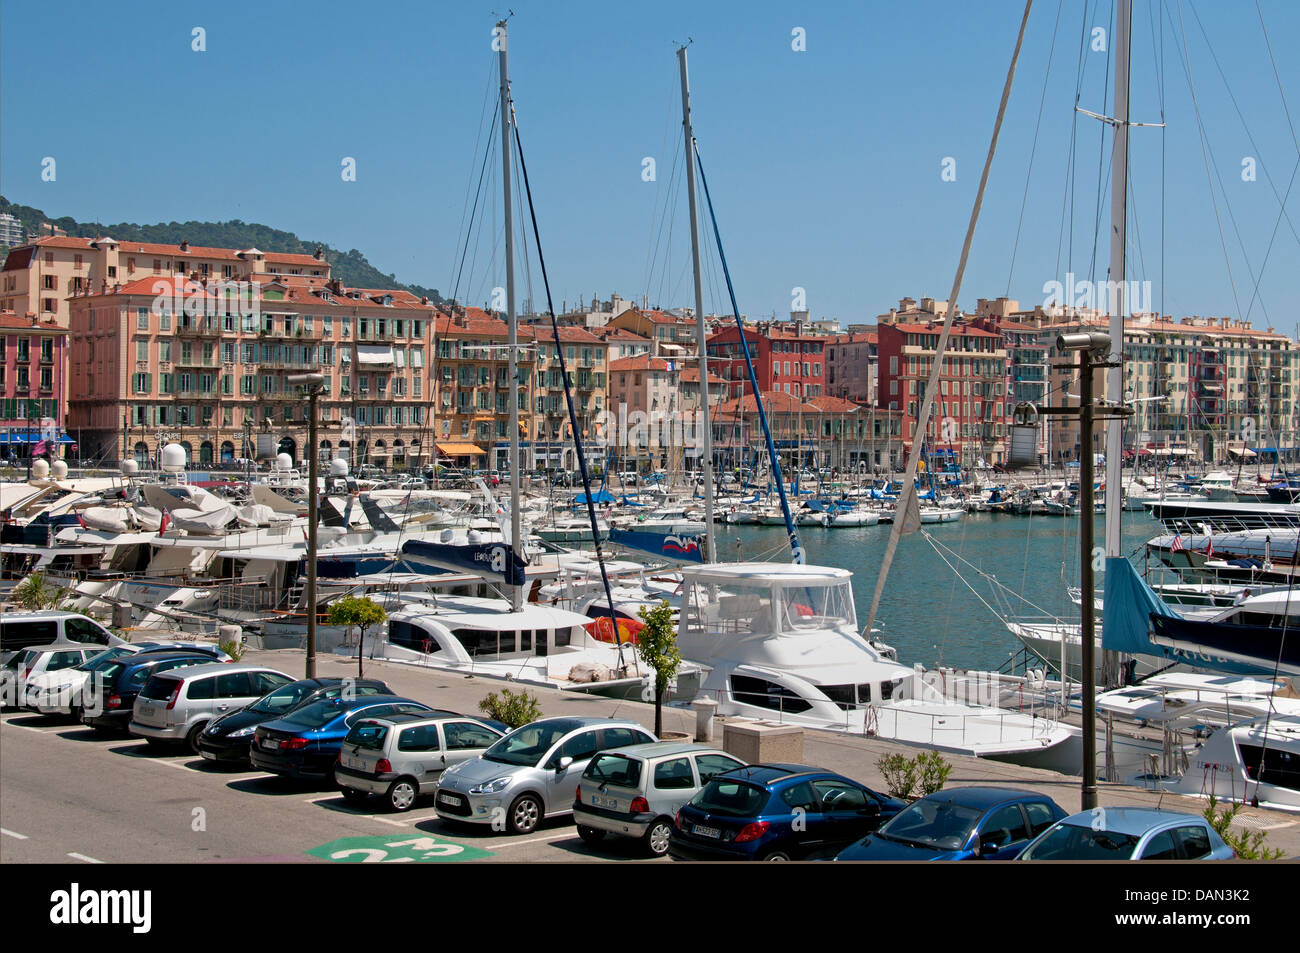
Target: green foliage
515	709
656	644
356	611
232	647
32	593
1249	845
910	778
350	267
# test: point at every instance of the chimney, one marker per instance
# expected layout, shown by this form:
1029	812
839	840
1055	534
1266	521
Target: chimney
185	245
319	253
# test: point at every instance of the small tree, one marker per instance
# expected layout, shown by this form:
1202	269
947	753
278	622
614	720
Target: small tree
1249	845
356	612
656	644
515	709
32	593
910	778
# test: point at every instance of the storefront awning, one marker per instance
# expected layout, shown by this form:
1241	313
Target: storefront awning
374	354
30	436
460	449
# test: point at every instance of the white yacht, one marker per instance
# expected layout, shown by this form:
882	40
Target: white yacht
781	643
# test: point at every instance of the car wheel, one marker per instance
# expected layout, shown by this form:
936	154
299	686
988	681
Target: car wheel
656	838
192	738
353	796
402	794
525	814
590	835
777	855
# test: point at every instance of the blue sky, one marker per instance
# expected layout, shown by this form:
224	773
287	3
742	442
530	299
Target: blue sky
825	163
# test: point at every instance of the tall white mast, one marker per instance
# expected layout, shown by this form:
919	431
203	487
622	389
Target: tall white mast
1119	303
507	121
701	334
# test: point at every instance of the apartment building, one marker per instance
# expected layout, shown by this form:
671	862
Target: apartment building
33	361
852	360
788	358
586	360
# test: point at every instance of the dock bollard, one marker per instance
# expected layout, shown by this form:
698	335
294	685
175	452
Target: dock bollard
704	709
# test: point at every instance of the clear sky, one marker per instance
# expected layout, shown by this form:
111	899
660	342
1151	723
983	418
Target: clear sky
826	162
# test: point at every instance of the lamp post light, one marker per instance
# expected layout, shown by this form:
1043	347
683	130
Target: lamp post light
314	384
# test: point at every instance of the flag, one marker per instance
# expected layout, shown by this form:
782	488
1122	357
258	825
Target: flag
1177	545
41	447
164	523
1209	543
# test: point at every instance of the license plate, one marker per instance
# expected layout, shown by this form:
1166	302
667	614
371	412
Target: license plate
598	801
146	709
701	831
356	764
271	744
448	799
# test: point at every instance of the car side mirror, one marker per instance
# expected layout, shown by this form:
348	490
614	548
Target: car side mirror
563	765
989	844
871	807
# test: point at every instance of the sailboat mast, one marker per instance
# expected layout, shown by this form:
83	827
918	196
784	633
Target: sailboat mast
512	330
701	335
1118	299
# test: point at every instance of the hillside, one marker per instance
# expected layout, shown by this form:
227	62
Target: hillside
351	267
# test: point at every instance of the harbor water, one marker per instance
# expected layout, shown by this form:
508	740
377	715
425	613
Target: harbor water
926	612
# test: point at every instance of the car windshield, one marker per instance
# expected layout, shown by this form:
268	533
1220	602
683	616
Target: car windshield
98	663
935	823
614	769
285	699
730	798
318	714
369	735
526	745
1072	842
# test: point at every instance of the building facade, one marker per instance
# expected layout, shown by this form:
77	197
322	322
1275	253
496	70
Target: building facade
33	363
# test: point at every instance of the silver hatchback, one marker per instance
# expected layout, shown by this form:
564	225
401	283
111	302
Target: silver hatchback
403	756
531	773
637	791
176	705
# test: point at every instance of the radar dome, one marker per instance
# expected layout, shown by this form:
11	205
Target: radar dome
59	469
338	467
129	467
283	461
173	458
40	469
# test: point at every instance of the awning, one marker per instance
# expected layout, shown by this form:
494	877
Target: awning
30	436
460	449
374	354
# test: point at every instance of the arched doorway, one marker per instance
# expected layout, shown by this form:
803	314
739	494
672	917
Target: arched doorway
325	452
189	451
205	453
227	451
399	454
288	445
141	454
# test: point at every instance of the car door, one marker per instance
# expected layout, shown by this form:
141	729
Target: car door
562	783
234	690
847	813
1194	840
464	741
419	754
1005	832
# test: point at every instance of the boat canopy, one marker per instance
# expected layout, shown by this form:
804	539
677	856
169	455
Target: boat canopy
773	574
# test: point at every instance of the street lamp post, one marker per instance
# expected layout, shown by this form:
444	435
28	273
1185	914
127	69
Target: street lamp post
314	384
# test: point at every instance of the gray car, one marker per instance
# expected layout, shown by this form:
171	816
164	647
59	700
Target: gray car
531	773
176	705
403	756
636	791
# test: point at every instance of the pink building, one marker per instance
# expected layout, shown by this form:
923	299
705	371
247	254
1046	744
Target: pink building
33	361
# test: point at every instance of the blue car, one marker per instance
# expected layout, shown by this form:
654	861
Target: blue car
306	743
975	823
777	812
1129	833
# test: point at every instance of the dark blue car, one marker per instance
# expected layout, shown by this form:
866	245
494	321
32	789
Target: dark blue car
777	812
306	743
975	823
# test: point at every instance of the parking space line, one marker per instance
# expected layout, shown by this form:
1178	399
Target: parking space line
536	840
13	834
83	857
385	820
39	731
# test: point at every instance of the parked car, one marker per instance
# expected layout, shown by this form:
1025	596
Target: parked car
59	692
777	812
532	773
23	630
974	823
403	756
1129	833
306	743
108	701
16	674
229	737
637	791
177	706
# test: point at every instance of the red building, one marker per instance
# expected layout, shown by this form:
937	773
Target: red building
787	358
969	417
33	359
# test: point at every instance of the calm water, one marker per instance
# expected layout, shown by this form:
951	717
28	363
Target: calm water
926	612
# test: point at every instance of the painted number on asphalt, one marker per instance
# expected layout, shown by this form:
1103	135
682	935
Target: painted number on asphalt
381	850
